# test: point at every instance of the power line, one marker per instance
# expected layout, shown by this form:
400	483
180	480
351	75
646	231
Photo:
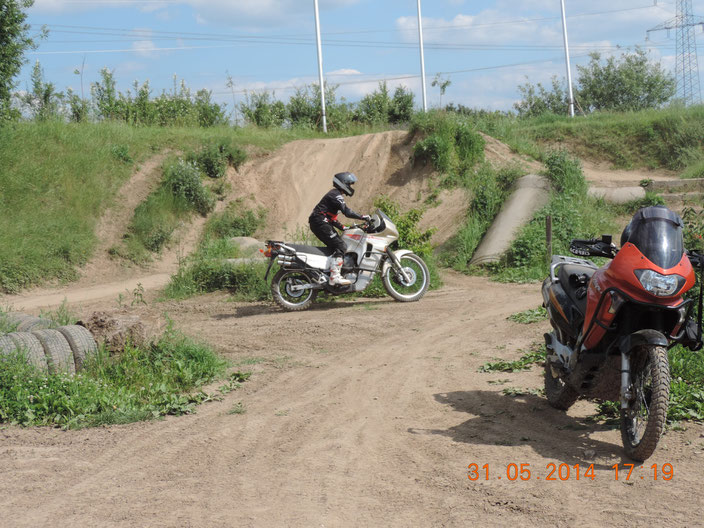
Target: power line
145	32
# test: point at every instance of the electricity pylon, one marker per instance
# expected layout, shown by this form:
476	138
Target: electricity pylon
687	68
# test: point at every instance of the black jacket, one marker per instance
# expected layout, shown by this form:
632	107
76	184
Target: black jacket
329	207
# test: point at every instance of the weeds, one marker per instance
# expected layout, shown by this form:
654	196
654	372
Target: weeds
536	355
534	315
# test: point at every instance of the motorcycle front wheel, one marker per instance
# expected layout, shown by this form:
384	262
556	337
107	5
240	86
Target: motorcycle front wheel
643	422
287	295
418	279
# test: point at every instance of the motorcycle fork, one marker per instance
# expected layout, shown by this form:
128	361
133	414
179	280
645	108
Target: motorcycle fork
626	389
397	265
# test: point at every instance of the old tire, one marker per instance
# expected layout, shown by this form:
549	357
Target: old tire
287	299
419	276
7	346
58	352
32	323
559	394
32	348
81	342
643	423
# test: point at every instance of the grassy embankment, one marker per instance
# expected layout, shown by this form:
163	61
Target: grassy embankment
57	179
669	138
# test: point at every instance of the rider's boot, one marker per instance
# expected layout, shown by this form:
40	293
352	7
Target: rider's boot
335	278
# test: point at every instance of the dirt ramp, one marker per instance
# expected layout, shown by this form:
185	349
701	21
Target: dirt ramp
291	181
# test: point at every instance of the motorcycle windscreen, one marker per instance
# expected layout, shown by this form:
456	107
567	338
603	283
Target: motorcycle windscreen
657	233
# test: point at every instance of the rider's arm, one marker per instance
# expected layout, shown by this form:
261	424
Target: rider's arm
349	213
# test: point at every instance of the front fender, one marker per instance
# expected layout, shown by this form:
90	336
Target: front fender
398	254
640	338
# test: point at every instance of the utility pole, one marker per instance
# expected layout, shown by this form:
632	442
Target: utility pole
422	59
687	67
320	66
567	59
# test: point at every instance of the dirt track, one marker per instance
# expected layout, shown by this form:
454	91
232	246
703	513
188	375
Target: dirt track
358	413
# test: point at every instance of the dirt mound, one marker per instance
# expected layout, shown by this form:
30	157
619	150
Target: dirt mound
291	181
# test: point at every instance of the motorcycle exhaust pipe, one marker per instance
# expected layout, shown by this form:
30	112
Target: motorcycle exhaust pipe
284	260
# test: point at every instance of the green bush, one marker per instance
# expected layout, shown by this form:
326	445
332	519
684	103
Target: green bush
470	145
235	221
213	159
203	275
434	149
183	180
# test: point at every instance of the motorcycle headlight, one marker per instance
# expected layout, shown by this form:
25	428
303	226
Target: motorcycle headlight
658	284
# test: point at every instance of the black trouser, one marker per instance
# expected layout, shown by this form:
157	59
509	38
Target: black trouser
327	234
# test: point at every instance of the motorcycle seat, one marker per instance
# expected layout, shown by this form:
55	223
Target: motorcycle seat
323	251
574	279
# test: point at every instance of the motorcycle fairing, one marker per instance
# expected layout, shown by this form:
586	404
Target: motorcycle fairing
619	276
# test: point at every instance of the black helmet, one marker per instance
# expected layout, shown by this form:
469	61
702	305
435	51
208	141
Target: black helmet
343	181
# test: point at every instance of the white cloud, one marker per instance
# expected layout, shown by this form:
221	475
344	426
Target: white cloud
344	71
145	48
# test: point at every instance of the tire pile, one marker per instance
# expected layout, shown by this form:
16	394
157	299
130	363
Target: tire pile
63	349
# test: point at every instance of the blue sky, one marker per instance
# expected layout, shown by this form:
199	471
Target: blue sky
485	48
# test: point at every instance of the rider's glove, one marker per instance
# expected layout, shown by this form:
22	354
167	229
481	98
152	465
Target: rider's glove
366	218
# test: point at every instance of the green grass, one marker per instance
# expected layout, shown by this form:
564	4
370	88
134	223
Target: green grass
57	179
138	384
535	355
667	138
534	315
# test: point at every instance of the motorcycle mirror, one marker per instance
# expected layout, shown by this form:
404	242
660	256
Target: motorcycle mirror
606	239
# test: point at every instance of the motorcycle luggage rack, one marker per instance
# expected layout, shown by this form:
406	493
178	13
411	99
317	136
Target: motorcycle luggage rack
559	260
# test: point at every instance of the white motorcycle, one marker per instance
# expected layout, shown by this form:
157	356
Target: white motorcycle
304	270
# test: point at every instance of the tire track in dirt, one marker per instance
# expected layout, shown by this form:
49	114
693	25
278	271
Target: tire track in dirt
358	413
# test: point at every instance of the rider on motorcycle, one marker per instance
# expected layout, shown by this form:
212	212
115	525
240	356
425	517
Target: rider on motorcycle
324	217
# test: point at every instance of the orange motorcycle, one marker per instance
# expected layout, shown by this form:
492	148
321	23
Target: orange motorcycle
612	325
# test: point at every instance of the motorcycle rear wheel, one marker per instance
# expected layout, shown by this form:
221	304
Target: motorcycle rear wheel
643	423
559	394
286	298
418	274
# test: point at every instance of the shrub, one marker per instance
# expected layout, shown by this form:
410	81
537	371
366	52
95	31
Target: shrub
183	180
235	221
214	158
470	145
434	149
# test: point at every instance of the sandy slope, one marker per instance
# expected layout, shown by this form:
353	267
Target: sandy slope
357	414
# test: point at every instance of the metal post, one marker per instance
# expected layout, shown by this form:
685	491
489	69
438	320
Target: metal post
567	59
320	66
548	238
422	59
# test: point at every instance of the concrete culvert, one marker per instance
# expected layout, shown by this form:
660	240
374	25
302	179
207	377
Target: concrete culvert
81	342
530	194
58	352
32	347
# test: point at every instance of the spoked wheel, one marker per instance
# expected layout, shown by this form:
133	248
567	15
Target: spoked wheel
292	290
418	279
643	422
559	394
